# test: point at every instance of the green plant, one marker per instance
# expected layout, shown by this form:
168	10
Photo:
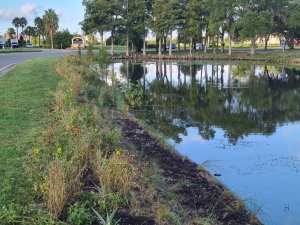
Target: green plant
109	220
79	215
133	94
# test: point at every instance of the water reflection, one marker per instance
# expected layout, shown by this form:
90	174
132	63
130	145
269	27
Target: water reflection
240	99
243	117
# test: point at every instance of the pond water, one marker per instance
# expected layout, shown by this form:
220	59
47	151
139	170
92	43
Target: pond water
239	121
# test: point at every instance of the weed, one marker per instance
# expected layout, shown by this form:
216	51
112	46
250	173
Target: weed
79	215
108	220
117	173
133	94
57	193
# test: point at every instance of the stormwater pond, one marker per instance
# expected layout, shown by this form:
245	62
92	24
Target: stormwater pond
239	121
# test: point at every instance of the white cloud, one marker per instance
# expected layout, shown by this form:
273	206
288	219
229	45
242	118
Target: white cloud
29	9
26	10
8	14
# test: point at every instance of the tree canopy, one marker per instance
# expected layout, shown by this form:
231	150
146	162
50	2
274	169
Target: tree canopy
206	21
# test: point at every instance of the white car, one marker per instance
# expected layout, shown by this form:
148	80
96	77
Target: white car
200	46
29	45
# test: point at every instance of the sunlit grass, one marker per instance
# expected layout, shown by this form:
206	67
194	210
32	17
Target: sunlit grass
25	96
19	50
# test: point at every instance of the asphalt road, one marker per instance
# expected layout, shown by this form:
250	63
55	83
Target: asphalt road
7	60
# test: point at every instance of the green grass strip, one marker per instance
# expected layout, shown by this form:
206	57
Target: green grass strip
25	97
19	50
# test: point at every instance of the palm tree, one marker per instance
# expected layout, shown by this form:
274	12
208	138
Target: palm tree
40	28
30	31
51	23
16	23
23	23
11	32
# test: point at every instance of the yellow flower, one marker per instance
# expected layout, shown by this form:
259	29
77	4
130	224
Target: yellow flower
58	150
36	151
118	152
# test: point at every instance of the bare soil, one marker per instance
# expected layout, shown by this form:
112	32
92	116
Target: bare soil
200	194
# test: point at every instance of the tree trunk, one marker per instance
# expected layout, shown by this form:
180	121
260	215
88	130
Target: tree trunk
222	43
102	44
206	44
178	42
144	45
184	46
252	46
51	36
213	44
165	43
170	47
191	45
229	47
112	44
159	46
266	42
127	44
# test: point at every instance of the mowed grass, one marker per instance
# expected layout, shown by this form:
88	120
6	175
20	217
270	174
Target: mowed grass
19	50
25	98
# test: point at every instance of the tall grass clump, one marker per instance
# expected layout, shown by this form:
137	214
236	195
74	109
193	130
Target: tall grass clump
82	153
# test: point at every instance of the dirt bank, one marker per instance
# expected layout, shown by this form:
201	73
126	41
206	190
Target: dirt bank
199	193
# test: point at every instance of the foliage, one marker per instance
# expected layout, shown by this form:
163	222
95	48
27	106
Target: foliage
79	215
62	39
133	94
50	20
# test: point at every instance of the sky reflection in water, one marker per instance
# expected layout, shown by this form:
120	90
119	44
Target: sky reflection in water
240	121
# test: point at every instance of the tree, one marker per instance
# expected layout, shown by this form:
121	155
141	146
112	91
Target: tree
30	31
23	23
195	20
159	23
40	28
292	17
16	23
254	24
97	17
50	19
11	32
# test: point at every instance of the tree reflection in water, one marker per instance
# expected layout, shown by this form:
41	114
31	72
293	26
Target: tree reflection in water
241	99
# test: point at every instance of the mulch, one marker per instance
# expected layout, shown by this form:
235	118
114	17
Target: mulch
199	193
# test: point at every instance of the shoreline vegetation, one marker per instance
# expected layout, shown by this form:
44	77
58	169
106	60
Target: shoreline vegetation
282	58
88	162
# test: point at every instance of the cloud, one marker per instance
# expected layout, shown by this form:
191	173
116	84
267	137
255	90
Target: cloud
26	10
29	9
8	14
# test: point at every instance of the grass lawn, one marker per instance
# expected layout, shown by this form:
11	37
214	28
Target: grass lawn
25	97
19	50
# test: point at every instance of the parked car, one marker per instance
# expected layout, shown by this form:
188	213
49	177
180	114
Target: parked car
14	43
173	46
2	43
29	45
200	46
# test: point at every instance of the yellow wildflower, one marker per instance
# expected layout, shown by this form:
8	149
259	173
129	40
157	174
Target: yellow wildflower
36	151
58	150
118	152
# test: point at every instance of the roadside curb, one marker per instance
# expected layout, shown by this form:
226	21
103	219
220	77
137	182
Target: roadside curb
6	69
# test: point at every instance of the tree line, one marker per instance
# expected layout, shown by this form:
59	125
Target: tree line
45	26
205	21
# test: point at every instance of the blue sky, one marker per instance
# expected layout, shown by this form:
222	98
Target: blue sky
70	12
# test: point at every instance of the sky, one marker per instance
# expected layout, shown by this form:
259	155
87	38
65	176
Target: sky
70	12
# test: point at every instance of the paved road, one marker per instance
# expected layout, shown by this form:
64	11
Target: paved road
7	59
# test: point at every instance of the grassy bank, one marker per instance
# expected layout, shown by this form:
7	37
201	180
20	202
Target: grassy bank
87	163
25	97
18	50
